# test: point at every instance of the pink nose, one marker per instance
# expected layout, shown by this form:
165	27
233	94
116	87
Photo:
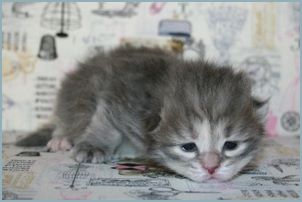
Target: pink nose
210	162
211	170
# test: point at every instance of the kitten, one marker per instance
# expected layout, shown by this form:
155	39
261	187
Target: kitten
196	118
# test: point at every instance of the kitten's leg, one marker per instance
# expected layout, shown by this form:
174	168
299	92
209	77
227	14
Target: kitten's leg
59	143
60	140
87	153
99	141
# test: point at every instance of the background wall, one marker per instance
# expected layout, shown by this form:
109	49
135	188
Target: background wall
261	38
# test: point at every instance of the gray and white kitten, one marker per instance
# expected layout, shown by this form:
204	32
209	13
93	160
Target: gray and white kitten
196	118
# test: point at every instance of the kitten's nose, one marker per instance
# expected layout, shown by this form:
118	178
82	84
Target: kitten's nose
211	170
210	162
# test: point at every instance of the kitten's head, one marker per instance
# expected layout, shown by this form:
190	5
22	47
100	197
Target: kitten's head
211	126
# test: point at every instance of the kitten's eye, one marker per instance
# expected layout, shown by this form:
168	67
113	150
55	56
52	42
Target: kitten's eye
189	147
230	145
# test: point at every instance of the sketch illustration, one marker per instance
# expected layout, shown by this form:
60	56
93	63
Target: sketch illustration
264	75
295	12
112	10
163	193
293	193
76	175
177	28
68	176
181	30
253	194
15	41
295	47
263	29
252	170
151	171
290	121
29	153
62	17
18	194
76	172
128	182
47	49
18	10
156	7
225	22
7	103
293	31
194	49
9	195
16	58
287	180
22	180
18	165
75	194
158	173
290	162
182	11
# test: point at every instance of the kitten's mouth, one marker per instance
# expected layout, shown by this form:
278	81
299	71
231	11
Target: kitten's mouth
212	178
221	178
215	177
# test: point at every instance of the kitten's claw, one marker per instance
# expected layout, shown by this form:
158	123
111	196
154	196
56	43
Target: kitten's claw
57	143
81	156
98	157
86	154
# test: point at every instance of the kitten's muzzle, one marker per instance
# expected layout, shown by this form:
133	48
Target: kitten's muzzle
210	161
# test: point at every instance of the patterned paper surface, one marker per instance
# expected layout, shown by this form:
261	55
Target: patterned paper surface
36	174
44	41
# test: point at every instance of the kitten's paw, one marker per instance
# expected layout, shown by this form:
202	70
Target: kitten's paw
59	143
85	153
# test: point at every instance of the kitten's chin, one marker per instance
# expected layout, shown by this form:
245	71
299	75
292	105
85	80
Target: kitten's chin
198	178
207	178
216	177
223	178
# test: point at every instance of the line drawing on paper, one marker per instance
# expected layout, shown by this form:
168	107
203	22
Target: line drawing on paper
225	22
256	194
7	102
62	17
263	20
68	176
131	169
287	180
163	193
18	10
156	7
16	58
75	176
47	50
278	163
290	121
264	74
128	10
128	182
9	195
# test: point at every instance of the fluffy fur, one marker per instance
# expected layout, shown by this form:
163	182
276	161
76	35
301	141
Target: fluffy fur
157	103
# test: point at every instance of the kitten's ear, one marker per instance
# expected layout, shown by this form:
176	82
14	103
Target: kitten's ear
261	106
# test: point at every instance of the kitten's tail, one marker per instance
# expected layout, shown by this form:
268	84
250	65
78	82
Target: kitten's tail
37	138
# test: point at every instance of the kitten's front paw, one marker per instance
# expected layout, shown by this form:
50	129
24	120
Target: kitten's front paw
59	143
85	153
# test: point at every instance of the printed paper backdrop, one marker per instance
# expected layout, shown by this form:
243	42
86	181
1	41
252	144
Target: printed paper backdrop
44	41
